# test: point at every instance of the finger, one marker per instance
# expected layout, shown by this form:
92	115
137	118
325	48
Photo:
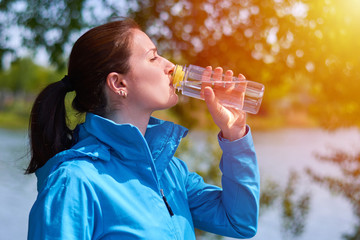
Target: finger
206	75
228	78
217	76
242	86
241	77
228	75
205	78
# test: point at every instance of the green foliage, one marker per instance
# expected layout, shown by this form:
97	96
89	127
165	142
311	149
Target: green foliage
305	52
18	87
25	76
15	116
294	211
270	191
46	24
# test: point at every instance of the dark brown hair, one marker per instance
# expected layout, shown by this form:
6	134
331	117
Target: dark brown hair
100	51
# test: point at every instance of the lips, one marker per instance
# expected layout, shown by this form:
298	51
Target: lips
171	79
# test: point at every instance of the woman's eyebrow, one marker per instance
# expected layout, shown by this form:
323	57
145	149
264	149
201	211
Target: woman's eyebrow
152	50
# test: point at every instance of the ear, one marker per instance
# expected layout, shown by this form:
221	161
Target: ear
116	82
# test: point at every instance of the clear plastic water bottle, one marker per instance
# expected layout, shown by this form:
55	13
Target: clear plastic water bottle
191	80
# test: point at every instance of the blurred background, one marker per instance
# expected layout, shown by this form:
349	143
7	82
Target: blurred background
307	135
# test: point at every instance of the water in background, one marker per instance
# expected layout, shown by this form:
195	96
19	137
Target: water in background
288	150
18	191
279	152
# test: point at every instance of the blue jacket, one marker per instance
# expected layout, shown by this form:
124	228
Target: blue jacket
117	184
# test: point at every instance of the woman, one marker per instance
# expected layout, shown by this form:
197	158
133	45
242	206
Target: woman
115	176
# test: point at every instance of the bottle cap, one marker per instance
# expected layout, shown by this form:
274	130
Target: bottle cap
178	75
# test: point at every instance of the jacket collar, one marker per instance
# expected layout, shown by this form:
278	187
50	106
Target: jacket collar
161	138
97	137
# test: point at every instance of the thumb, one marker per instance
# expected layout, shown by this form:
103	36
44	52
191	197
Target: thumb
209	95
210	100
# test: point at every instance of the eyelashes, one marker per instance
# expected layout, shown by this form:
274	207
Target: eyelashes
153	59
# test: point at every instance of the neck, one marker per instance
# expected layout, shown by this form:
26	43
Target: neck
138	120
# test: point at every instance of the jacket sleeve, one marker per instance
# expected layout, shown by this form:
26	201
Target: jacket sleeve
63	209
233	210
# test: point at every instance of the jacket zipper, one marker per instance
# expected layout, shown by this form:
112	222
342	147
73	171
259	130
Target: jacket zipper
166	203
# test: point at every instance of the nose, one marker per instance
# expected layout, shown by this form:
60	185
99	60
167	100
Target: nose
169	67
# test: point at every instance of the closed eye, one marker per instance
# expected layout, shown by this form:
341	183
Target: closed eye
153	59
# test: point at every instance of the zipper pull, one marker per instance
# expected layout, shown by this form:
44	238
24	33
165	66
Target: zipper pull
166	203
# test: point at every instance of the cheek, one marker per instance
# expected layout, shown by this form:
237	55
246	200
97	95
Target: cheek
148	77
153	77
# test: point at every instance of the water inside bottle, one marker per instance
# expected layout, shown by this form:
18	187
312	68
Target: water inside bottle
230	94
240	94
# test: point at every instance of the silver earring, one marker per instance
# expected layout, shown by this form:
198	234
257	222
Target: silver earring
123	93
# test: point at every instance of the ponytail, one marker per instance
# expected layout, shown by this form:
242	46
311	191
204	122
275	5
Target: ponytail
48	131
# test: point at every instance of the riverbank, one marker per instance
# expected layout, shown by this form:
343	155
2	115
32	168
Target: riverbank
18	118
14	120
15	115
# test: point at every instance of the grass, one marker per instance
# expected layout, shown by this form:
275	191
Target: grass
13	120
15	115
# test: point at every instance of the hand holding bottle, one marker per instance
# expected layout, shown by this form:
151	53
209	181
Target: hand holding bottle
228	97
231	121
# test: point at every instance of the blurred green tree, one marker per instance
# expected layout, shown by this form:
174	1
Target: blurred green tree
26	76
305	52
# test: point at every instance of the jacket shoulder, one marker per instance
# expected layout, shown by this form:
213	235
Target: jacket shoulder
75	171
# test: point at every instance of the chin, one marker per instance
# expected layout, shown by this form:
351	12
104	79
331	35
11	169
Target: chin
173	100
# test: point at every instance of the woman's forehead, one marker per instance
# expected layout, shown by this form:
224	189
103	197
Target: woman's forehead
141	41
